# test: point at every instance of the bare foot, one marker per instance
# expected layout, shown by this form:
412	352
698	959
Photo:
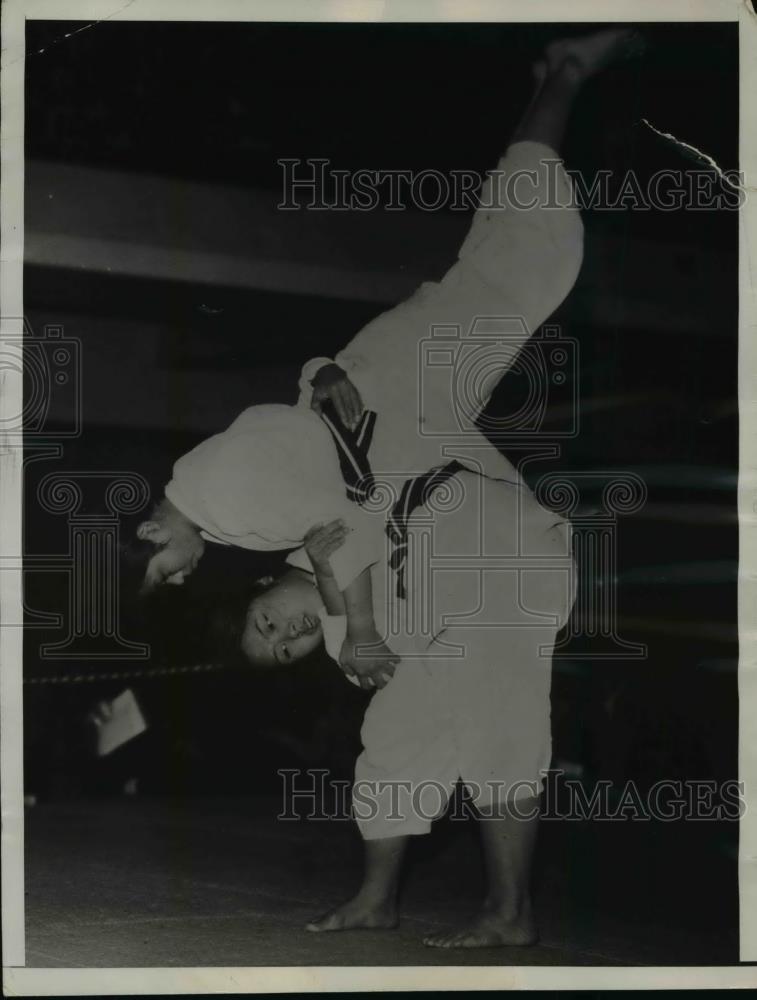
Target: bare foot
588	54
488	930
356	913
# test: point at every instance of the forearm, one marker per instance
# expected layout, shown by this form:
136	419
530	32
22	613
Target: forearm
358	602
329	591
364	653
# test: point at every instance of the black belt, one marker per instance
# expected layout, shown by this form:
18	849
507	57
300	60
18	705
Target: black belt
415	492
352	447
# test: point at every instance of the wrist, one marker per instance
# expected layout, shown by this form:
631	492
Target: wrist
360	628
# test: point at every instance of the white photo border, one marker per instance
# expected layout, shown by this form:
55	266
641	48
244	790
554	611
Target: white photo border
19	980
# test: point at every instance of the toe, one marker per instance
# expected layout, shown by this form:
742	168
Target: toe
329	922
438	940
459	940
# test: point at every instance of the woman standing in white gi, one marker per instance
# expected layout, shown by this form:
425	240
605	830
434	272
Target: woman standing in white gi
482	717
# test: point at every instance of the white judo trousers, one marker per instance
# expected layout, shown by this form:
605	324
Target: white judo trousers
490	581
470	698
514	268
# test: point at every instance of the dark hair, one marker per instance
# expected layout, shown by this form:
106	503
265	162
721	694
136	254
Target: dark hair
228	621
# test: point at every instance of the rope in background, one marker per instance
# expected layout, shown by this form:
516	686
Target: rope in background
115	675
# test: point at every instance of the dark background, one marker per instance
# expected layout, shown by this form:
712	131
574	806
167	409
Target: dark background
219	104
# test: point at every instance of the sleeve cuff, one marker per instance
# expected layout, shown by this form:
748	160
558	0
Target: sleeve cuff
300	560
363	547
334	632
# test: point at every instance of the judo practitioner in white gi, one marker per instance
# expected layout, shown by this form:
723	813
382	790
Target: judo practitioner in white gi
470	697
